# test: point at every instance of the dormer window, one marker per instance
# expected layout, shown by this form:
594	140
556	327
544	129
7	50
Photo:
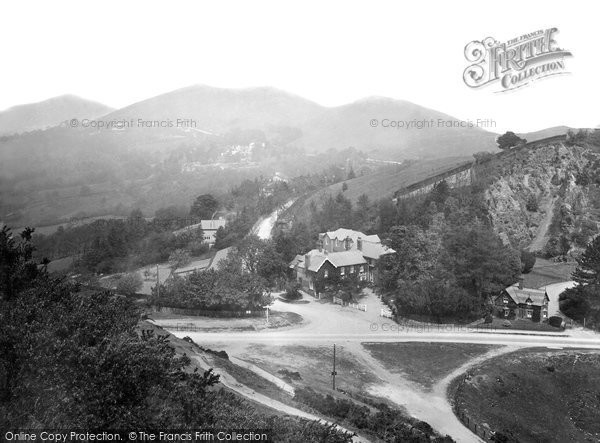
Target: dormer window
505	300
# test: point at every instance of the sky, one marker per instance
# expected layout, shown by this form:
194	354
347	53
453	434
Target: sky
331	52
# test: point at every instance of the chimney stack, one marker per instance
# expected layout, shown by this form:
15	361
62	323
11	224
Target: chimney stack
521	283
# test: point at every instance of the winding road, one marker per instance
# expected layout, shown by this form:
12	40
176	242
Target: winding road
328	323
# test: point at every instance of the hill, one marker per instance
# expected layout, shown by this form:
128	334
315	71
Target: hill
48	113
350	125
289	119
384	184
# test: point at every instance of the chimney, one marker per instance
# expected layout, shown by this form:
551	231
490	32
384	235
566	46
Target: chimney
347	243
307	261
521	283
359	244
320	245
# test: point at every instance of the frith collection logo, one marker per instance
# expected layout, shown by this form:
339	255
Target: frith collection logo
515	63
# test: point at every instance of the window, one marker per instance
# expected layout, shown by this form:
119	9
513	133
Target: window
326	273
310	284
544	314
352	269
529	313
342	270
506	312
505	300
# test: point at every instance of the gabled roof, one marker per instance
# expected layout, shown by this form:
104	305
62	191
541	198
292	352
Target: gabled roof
342	234
522	296
375	250
206	225
337	259
345	258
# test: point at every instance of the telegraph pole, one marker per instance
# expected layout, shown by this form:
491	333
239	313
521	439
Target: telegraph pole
333	373
157	282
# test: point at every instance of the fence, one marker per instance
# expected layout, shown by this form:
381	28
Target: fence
387	313
481	430
209	313
339	301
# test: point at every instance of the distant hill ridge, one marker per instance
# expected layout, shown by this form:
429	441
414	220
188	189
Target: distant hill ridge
48	113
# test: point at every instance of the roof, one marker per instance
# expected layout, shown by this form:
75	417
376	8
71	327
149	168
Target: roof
521	296
219	257
337	259
342	234
375	250
206	225
212	225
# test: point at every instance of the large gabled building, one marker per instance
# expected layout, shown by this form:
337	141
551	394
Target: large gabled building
343	252
518	302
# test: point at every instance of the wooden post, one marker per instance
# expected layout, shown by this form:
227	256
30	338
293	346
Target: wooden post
333	373
157	282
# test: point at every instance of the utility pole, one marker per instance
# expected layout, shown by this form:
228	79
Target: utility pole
333	373
157	282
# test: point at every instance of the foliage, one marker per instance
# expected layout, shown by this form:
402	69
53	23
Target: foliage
292	291
509	139
588	269
527	261
76	358
532	204
129	284
555	321
230	288
384	421
204	207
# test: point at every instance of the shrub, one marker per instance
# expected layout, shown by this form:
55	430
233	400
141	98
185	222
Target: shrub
555	321
292	291
527	261
532	203
129	284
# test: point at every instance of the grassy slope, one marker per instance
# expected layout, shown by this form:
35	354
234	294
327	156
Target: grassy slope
384	184
536	396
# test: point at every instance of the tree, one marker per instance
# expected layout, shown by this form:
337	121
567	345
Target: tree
509	139
204	207
129	284
588	269
17	268
344	187
178	259
351	174
479	260
527	261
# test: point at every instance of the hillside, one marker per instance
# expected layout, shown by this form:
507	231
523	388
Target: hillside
385	183
289	119
49	113
349	125
545	197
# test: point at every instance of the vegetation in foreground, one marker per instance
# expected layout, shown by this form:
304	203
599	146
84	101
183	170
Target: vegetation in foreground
533	396
71	357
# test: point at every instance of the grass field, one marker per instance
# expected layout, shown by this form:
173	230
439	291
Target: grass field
425	363
384	184
313	364
535	395
546	272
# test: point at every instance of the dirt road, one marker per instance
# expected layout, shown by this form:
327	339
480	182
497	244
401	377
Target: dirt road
325	323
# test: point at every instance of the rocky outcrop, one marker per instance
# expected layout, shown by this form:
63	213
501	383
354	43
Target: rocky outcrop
539	197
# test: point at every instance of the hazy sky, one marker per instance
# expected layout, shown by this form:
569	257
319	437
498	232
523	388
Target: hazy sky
120	52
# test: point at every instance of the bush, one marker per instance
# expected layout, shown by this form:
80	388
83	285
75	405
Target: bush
532	204
292	291
555	321
527	261
129	284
